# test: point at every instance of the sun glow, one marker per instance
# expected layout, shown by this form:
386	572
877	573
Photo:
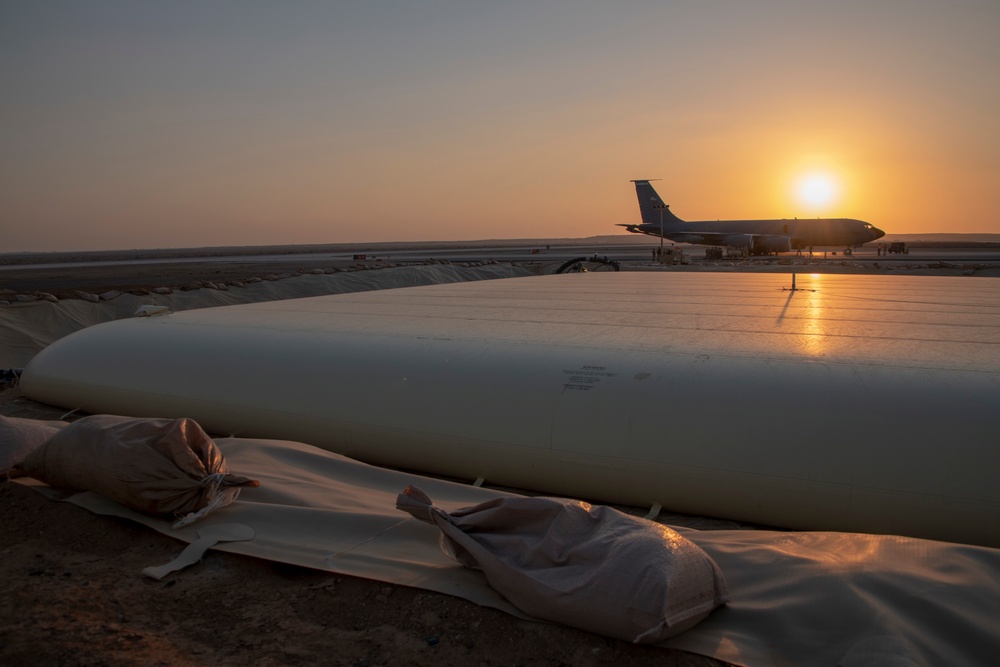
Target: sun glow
816	190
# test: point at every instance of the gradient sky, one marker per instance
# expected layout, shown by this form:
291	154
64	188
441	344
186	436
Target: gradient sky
145	124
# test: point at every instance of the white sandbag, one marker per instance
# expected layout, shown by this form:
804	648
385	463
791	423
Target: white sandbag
156	466
19	437
150	310
587	566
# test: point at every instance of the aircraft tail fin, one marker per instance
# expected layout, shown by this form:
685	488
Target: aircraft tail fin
651	204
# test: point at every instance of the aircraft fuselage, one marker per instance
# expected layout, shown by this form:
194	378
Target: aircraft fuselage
755	235
802	233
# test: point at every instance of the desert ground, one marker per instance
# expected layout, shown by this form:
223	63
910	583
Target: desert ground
74	595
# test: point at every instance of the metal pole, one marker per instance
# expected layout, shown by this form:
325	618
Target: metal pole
661	235
661	207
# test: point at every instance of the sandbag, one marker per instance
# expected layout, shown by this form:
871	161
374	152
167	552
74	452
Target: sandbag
163	467
19	437
591	567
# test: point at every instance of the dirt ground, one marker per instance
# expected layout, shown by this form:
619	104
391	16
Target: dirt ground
74	595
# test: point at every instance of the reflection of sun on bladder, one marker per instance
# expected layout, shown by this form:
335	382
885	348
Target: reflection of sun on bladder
804	309
814	341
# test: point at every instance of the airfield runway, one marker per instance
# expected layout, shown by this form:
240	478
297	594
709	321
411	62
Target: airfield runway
63	274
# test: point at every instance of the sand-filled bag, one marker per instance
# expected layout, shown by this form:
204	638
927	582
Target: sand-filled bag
19	437
164	467
588	566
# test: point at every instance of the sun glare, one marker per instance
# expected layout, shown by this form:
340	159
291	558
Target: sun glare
817	190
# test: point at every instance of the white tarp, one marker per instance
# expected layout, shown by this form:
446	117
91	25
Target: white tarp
816	598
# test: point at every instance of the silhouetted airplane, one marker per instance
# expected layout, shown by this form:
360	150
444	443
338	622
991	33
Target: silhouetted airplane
757	236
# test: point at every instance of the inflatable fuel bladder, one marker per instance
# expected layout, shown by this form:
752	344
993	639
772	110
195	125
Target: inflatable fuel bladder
857	403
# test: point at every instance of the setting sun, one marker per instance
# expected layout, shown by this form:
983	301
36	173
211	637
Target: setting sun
816	190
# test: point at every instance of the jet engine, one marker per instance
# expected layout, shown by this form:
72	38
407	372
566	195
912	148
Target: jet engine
739	240
687	238
774	244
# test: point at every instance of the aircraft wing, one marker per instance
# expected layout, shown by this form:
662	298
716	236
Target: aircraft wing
713	238
702	238
705	238
757	242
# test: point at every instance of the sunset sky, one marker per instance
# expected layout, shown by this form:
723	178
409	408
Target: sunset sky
149	124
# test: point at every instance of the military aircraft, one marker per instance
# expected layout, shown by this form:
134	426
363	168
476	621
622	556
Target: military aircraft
758	237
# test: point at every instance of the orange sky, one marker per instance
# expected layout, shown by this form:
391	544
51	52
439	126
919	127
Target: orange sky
141	124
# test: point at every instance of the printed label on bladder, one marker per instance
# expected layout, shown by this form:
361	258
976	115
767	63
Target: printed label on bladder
585	378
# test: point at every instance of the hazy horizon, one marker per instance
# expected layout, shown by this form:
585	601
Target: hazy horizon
196	124
609	239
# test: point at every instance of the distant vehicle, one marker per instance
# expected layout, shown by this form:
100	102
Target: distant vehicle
759	237
898	247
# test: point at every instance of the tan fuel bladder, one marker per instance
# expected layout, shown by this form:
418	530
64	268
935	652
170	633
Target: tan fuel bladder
855	403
